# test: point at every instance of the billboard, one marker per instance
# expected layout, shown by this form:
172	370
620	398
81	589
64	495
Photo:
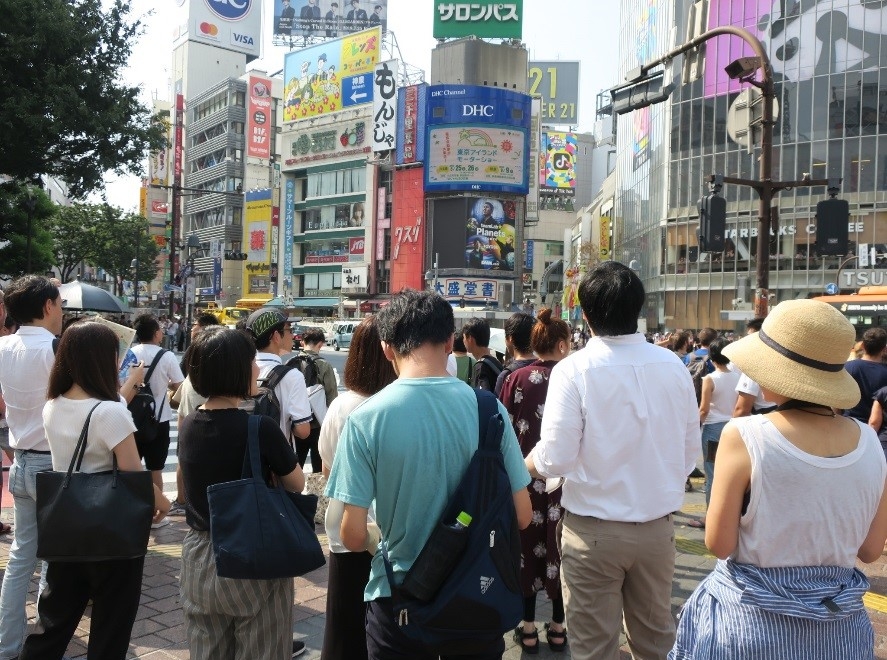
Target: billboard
233	25
558	84
257	242
477	139
331	76
384	105
487	19
411	124
560	160
327	18
489	242
258	119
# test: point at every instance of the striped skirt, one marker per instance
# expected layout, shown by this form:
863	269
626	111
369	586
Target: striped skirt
229	619
742	612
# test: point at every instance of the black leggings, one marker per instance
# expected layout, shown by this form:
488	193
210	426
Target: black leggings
309	444
557	609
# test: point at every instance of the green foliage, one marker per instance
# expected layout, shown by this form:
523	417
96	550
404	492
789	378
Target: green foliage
115	236
17	202
73	232
64	110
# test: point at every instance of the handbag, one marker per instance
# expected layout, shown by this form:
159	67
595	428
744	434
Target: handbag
93	516
261	532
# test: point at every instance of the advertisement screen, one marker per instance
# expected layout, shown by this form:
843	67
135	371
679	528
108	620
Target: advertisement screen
560	160
327	18
331	76
490	234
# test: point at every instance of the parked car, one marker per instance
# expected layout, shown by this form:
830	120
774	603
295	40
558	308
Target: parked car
341	334
299	332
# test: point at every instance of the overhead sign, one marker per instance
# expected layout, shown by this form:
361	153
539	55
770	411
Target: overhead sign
330	76
477	139
488	19
231	24
558	84
259	128
326	18
384	106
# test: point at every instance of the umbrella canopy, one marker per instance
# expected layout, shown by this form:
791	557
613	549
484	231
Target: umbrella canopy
497	340
78	296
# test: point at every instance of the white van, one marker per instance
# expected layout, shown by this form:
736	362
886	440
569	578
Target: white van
341	334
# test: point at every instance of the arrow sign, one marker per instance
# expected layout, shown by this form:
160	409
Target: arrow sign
357	90
357	97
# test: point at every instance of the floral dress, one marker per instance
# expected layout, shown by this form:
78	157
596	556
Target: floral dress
523	395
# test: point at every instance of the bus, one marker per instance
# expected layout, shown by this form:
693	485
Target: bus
866	309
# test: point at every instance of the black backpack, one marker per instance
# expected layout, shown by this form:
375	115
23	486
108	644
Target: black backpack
142	407
699	366
307	365
266	401
465	584
489	364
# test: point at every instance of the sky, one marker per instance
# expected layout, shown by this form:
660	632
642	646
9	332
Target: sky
584	30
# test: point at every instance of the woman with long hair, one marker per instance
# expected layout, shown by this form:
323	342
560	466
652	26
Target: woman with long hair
227	618
523	395
798	497
367	371
84	379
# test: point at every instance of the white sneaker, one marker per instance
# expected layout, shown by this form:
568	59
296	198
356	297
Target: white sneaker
162	523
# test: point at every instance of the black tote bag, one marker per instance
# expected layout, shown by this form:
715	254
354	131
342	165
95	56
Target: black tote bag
260	532
93	516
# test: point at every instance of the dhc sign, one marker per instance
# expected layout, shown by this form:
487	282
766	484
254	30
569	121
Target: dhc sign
229	10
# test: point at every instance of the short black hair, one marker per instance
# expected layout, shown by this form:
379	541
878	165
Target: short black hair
755	324
206	319
478	330
874	341
715	351
519	327
26	296
707	336
612	296
313	336
220	363
459	343
414	318
146	325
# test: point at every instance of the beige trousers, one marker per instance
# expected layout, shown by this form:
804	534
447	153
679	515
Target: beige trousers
617	574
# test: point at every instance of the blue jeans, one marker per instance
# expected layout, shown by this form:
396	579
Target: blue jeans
22	553
711	435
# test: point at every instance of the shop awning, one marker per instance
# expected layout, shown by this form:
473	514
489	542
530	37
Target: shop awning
316	302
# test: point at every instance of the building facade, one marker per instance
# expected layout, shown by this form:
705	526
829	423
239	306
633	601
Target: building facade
831	84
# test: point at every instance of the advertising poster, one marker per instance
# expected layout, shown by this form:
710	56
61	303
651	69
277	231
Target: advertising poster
289	200
487	19
641	137
411	124
257	241
560	160
327	18
490	234
557	83
384	105
331	76
231	25
259	129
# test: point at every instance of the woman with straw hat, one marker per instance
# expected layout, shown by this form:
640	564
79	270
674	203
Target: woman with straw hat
798	496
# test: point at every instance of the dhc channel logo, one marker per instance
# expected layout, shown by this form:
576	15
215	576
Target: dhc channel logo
229	10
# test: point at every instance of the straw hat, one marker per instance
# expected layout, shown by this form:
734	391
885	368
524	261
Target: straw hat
800	353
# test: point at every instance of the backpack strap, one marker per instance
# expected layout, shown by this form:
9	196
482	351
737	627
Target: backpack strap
492	363
490	423
153	365
272	380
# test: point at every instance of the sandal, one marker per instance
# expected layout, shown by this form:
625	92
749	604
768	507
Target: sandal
696	524
551	634
520	637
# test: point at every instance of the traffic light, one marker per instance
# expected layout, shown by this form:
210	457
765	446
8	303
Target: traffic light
231	255
832	219
640	93
712	223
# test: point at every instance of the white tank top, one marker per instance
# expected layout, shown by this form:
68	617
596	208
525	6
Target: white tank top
723	398
807	510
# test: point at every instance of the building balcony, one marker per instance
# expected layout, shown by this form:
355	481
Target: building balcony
224	142
228	169
211	200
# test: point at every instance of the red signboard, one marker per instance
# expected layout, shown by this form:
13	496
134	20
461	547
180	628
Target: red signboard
356	246
410	124
159	207
408	230
326	259
258	120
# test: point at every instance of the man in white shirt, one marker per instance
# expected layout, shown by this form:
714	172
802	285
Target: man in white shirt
26	358
274	337
172	332
167	375
621	426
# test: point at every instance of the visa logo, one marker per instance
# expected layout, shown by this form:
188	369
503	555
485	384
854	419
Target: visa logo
244	39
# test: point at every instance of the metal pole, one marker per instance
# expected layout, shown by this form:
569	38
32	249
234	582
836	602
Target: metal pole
136	274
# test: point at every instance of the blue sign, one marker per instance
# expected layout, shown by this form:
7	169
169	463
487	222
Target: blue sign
357	90
289	221
477	104
831	289
528	255
230	10
216	288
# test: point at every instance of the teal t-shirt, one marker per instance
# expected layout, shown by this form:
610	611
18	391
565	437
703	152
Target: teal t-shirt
407	448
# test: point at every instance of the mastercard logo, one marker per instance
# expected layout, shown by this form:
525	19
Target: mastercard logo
209	29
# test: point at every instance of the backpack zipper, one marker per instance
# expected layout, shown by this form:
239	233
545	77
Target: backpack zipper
403	618
492	538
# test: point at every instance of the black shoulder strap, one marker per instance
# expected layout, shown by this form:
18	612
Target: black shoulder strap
272	380
154	364
490	423
492	363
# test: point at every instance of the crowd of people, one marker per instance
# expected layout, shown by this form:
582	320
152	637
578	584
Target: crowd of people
598	445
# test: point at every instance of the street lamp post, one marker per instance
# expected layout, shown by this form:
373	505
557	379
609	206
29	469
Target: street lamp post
30	205
193	246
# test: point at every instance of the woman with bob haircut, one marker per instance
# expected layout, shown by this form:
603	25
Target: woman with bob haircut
84	379
798	497
367	372
225	616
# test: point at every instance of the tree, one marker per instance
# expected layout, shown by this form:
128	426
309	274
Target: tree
115	238
25	210
73	230
64	110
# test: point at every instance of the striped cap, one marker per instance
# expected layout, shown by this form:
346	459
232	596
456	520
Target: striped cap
261	321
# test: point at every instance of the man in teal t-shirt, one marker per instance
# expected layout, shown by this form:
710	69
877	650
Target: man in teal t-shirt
407	448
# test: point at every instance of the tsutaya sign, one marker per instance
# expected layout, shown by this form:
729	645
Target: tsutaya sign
853	279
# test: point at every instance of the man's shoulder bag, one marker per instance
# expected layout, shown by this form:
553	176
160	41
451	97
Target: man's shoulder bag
145	414
464	586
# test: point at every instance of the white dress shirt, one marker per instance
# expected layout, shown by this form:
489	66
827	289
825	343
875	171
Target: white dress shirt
291	393
621	424
26	358
166	373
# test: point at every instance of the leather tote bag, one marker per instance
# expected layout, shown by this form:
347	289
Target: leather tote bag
93	516
260	532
